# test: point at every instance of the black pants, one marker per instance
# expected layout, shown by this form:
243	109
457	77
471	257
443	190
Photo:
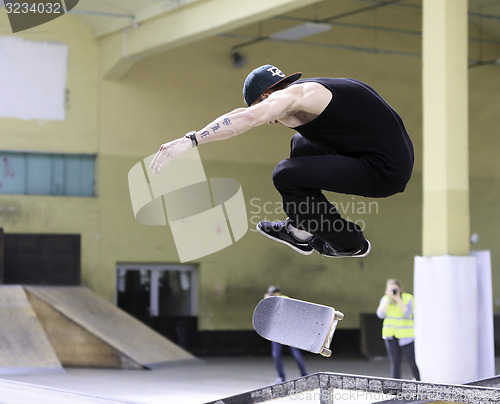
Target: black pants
396	354
311	169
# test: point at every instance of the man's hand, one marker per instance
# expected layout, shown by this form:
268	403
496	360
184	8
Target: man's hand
169	151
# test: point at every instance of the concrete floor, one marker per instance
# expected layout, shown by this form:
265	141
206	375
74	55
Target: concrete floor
205	380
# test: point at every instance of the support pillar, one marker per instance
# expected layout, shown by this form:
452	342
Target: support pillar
445	115
447	279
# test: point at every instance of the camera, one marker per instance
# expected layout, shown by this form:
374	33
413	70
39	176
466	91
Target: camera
394	291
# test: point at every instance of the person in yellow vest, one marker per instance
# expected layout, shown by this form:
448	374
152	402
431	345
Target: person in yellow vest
277	348
396	309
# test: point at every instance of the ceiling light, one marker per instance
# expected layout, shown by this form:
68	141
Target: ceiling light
300	31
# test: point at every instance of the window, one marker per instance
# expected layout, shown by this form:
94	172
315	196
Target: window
47	174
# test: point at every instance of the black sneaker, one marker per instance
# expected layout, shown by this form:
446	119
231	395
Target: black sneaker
278	231
327	250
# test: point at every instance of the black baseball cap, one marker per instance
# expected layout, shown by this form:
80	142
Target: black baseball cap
263	78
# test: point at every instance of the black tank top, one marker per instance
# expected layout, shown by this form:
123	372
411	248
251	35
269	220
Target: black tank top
358	122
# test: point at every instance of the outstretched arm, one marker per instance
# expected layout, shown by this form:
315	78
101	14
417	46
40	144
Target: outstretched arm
276	106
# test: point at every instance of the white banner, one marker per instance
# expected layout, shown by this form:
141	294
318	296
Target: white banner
486	333
446	323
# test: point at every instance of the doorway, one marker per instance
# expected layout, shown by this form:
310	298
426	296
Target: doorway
163	296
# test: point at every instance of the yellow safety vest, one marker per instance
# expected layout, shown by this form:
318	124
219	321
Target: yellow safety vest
395	324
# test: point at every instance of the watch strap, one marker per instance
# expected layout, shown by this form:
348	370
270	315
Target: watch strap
192	135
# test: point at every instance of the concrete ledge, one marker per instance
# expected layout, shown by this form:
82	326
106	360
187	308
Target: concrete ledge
403	390
489	382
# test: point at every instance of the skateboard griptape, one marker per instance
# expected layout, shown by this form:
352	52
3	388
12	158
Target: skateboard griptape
293	322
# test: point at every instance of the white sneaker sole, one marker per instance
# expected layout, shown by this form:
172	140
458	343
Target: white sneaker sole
284	242
350	256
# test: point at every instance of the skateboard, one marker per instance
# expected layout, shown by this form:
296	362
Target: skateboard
304	325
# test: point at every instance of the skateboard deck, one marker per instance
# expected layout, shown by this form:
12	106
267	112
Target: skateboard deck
296	323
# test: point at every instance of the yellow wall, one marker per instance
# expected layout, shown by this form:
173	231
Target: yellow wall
78	133
166	95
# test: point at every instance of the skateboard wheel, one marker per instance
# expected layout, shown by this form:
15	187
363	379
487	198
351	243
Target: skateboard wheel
339	315
326	352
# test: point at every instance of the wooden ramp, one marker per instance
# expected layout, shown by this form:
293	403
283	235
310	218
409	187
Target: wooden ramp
87	330
24	346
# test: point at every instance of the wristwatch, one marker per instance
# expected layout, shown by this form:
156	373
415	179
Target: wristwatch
192	135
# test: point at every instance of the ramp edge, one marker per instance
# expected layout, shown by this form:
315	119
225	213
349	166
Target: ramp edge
10	371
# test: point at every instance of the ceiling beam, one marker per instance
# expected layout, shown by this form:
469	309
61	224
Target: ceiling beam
199	20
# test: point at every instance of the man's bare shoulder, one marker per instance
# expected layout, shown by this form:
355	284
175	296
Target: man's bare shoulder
312	97
305	87
307	101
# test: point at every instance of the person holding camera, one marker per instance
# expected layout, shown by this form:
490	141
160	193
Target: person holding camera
396	309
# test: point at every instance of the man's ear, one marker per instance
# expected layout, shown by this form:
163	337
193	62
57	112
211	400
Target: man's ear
266	94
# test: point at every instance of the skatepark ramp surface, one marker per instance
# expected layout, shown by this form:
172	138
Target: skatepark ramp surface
71	315
45	328
24	346
23	393
329	388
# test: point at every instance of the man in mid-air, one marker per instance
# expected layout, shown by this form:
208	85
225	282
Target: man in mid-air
349	140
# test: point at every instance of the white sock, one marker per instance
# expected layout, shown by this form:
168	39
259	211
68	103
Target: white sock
300	235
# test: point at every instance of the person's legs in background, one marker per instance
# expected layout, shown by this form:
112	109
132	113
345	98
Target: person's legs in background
299	360
278	361
394	352
409	354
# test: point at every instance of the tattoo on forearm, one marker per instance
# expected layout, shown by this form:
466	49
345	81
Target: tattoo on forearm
225	122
